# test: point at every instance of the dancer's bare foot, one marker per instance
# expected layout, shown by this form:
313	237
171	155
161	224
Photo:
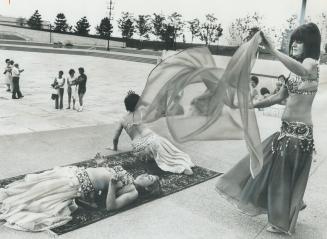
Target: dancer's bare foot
188	171
303	206
273	229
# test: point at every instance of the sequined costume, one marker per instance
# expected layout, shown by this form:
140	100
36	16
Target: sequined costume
279	188
167	156
294	82
46	200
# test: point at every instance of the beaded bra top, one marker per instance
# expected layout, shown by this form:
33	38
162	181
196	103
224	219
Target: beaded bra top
121	175
294	83
87	188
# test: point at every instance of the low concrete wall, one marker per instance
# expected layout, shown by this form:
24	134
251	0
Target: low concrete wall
44	37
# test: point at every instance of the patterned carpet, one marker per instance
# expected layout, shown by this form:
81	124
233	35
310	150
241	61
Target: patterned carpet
171	183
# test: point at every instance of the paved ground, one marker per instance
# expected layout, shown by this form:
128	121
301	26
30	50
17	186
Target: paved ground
34	136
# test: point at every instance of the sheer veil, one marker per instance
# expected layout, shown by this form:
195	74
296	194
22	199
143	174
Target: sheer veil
204	102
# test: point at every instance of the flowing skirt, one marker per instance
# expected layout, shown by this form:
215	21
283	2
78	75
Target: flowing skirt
279	188
40	201
167	156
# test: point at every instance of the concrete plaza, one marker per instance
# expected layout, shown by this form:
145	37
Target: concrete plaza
34	136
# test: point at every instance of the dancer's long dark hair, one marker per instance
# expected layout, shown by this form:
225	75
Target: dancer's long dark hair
309	34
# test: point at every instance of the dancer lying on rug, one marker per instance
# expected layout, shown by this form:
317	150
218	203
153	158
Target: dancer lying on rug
147	143
46	200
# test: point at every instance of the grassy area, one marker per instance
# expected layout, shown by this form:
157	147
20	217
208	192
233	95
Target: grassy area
5	36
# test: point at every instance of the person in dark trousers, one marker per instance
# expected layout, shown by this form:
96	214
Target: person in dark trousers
15	80
54	95
82	78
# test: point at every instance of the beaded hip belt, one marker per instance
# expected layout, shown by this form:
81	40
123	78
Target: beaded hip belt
86	187
142	144
297	130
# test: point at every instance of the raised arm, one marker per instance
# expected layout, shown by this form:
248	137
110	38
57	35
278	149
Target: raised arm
304	69
117	135
113	202
272	100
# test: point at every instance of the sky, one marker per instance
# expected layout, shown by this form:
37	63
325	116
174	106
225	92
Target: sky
274	12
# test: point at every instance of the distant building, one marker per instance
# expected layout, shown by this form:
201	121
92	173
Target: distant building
20	21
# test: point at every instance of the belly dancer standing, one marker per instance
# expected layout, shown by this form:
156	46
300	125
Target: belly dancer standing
279	188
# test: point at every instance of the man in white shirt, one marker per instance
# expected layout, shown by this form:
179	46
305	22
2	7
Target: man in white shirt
15	80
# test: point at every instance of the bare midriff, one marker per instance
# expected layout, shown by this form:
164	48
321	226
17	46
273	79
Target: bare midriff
99	177
298	109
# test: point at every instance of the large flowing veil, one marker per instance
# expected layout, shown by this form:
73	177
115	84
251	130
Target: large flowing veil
201	101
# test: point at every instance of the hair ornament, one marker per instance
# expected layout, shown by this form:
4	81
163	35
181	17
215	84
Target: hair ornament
130	92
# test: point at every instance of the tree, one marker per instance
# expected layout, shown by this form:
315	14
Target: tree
70	29
143	26
35	21
175	20
240	29
126	25
168	35
210	31
82	27
105	28
60	23
194	27
292	23
158	25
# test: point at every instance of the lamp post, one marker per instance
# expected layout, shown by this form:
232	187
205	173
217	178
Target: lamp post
110	8
303	8
50	28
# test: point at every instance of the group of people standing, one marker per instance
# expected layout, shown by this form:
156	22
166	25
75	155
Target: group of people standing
12	75
76	88
265	92
272	181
